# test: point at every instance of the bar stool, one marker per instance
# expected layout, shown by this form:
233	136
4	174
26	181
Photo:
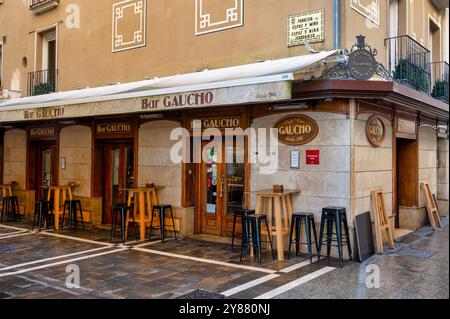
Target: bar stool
337	216
121	211
308	221
239	213
162	213
43	212
72	206
10	208
252	234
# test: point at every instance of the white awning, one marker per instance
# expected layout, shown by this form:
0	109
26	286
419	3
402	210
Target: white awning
242	75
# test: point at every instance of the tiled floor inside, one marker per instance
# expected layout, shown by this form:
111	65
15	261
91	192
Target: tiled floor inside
34	265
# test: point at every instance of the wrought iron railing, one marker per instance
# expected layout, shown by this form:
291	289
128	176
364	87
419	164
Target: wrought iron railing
409	62
42	82
440	80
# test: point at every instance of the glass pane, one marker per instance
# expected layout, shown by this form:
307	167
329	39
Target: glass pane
47	167
129	155
115	160
211	180
235	179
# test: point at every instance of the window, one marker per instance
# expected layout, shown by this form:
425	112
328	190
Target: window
40	6
45	77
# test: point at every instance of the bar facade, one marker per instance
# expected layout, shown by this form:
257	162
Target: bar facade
340	136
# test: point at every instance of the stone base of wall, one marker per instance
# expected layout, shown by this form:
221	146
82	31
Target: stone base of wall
187	216
412	218
93	205
26	198
443	207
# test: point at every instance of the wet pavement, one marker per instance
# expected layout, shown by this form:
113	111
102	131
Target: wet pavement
41	265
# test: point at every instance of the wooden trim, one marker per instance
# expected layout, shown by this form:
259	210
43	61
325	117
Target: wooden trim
337	106
379	91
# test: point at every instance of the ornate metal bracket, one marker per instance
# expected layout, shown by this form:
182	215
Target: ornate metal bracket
360	64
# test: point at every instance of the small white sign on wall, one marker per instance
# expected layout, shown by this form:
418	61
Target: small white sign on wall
306	27
295	159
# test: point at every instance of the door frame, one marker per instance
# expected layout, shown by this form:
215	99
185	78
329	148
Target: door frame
200	194
107	146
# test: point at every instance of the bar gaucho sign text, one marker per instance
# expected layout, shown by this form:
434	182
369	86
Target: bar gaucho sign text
297	130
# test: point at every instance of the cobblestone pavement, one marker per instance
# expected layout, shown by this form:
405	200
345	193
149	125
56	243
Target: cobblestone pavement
35	265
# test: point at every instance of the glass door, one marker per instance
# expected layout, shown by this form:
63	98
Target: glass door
222	188
45	169
119	177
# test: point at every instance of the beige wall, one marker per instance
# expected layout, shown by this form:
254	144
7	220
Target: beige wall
443	176
154	161
15	156
427	160
76	146
372	166
327	184
85	55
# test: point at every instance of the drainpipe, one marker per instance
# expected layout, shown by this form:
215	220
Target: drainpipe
337	24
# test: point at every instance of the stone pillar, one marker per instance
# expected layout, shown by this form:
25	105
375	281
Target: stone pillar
442	176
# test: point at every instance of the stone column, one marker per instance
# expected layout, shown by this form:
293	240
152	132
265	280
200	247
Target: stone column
442	176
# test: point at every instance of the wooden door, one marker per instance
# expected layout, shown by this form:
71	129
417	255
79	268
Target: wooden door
119	176
221	187
211	189
45	168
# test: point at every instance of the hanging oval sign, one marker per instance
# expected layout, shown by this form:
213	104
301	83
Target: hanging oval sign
297	130
375	131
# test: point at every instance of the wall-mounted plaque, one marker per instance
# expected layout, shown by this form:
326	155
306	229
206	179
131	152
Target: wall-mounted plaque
406	129
312	157
375	131
297	130
306	27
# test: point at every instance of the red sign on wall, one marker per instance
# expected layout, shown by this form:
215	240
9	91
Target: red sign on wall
313	157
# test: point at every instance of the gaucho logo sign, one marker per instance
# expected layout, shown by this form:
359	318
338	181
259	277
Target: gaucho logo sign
297	130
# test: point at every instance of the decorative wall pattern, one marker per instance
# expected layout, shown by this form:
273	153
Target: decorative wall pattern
129	25
368	8
216	15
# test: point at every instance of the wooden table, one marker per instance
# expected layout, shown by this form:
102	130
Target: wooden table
268	203
61	193
7	190
144	200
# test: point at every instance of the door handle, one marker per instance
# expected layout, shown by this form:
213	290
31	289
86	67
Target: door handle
222	186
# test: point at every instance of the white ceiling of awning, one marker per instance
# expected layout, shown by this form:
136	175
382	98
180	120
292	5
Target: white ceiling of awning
271	67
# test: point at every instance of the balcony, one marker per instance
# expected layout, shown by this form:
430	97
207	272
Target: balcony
42	82
409	63
440	80
40	6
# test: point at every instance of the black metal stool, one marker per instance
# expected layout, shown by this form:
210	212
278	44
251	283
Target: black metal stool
308	220
251	233
240	213
162	213
43	212
72	206
10	208
337	216
121	211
